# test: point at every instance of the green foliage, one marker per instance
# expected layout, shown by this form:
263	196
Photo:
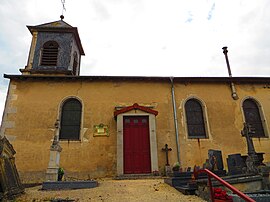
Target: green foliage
61	171
176	166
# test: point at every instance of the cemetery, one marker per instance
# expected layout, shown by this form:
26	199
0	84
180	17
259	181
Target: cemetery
246	173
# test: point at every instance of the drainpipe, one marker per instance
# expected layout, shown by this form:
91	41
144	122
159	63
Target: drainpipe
234	94
175	121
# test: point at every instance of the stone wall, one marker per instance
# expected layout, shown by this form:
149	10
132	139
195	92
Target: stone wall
38	104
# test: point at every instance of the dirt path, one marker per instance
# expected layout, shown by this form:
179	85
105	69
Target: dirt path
113	190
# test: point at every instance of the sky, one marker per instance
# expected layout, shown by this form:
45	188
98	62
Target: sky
146	37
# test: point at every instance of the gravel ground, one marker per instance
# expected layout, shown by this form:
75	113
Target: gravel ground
113	190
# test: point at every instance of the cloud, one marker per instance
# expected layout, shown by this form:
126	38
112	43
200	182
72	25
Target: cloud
210	13
190	17
127	37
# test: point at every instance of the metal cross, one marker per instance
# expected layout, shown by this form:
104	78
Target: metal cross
166	149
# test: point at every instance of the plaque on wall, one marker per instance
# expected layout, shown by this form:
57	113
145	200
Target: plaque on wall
101	130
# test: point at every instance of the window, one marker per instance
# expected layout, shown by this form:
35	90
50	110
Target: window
195	119
71	120
253	117
49	54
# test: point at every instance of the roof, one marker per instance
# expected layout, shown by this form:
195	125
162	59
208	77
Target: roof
59	26
142	78
135	106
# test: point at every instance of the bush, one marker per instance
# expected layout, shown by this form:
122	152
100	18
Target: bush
176	166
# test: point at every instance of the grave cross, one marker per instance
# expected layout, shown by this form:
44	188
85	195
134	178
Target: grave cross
166	149
252	161
247	132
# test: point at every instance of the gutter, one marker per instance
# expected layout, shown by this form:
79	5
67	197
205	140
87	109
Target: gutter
175	121
233	90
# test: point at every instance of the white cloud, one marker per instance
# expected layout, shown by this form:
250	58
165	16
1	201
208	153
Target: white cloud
147	37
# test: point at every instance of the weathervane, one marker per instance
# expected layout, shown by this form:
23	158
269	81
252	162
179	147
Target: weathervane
63	9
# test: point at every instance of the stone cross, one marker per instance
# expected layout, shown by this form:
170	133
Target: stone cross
252	161
247	132
55	149
166	149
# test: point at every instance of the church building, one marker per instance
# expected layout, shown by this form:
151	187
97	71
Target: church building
118	125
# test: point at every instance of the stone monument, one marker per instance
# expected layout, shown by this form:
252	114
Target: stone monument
252	160
10	183
55	149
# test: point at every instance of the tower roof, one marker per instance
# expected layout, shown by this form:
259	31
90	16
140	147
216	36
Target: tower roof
58	26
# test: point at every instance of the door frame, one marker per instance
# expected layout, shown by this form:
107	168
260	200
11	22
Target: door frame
152	138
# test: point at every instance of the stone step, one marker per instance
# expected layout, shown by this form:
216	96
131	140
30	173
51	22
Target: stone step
177	181
58	185
262	196
187	189
137	176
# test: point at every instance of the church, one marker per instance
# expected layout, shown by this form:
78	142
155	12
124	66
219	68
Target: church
118	125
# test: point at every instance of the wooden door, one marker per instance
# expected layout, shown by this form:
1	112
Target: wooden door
137	158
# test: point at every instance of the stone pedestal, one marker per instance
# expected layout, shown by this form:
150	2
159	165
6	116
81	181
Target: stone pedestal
52	170
168	170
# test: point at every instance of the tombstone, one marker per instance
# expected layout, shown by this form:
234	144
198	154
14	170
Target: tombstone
215	159
236	164
55	149
10	183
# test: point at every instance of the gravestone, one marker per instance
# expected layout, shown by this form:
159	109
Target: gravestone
215	159
236	164
10	183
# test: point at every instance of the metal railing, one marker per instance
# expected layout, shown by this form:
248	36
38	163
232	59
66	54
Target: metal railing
226	184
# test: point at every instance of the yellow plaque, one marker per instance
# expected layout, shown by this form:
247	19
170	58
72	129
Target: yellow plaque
101	130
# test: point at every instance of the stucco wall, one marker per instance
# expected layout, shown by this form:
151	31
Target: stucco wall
38	104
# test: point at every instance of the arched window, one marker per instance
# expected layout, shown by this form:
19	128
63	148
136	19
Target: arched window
195	119
71	120
75	63
253	117
49	54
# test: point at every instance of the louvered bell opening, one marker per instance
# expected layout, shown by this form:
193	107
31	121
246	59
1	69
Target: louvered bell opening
49	54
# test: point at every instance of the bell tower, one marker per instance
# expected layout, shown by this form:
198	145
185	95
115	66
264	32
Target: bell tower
56	49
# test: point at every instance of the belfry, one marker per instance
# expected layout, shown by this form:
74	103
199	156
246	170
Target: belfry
56	49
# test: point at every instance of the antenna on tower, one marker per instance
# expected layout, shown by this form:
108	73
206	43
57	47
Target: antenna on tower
63	9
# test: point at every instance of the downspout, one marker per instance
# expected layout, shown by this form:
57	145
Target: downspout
175	121
234	94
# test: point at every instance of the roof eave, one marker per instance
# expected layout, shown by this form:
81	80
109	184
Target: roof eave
73	30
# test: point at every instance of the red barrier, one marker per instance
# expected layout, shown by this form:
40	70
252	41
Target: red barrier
226	184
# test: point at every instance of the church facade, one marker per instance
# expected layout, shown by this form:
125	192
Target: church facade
112	126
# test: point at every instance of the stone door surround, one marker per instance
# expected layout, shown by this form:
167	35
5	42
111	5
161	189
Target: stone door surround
136	110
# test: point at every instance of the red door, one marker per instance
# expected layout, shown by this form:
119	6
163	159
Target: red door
136	145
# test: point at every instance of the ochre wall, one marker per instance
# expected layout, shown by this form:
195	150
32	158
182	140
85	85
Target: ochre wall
34	106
